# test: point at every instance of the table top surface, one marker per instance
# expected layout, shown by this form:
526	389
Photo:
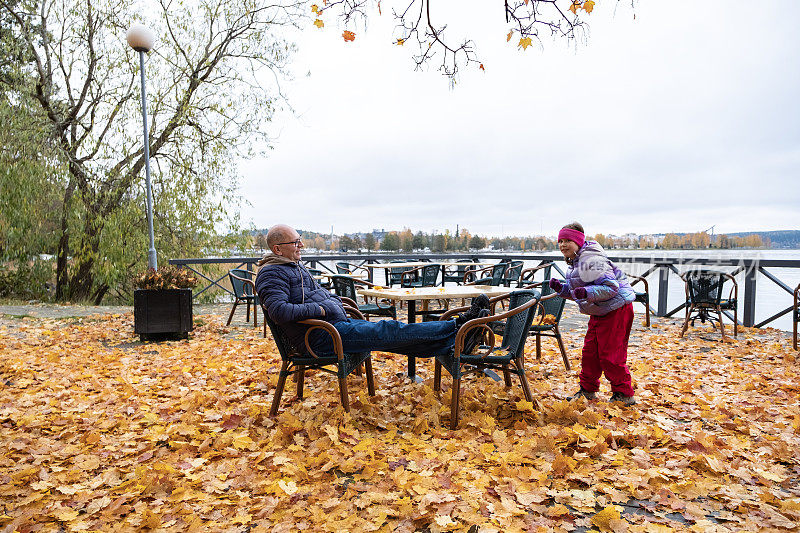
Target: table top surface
436	293
415	264
326	275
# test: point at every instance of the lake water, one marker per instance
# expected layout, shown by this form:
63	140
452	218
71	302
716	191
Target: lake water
770	298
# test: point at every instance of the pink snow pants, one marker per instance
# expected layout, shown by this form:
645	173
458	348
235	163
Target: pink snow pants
605	351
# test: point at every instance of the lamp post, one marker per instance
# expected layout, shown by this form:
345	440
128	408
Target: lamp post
141	39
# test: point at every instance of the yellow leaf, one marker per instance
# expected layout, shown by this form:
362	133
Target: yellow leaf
525	42
444	520
588	5
400	42
318	23
510	34
523	405
65	515
603	519
314	8
243	518
289	487
557	510
243	441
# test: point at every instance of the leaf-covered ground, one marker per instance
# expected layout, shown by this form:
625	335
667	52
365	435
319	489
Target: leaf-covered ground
102	433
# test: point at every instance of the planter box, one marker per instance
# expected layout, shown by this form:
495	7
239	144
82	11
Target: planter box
162	314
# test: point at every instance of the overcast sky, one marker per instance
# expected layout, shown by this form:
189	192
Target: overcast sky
681	118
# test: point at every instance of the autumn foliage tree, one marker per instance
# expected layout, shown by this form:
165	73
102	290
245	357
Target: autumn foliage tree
421	27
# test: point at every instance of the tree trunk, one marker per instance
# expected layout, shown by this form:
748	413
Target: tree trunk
62	255
81	282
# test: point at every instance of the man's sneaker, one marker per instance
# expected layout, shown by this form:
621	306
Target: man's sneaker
475	335
479	303
619	397
585	393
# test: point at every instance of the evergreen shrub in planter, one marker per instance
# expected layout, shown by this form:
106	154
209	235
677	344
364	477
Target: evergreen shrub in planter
162	304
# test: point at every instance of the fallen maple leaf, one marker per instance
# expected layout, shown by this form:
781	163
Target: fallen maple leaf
603	519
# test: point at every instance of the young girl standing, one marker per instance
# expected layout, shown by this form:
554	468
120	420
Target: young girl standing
603	292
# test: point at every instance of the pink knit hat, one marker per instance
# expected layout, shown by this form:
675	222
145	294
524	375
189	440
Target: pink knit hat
572	234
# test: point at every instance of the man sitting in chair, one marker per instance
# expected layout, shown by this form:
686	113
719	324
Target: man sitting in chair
290	294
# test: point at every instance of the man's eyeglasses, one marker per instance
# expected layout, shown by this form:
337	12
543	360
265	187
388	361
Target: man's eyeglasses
297	244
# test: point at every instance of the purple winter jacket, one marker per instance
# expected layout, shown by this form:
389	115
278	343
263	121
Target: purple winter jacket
607	287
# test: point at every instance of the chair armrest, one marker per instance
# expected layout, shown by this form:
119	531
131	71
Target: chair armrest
364	282
348	302
528	273
328	327
246	281
412	272
639	279
353	312
475	274
735	289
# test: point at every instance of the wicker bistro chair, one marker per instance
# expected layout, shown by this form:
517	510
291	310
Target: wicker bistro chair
492	275
526	277
455	272
394	275
295	361
318	272
642	297
512	273
704	295
345	287
795	316
244	290
424	276
552	305
351	269
508	357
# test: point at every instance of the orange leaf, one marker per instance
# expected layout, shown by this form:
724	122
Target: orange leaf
588	5
348	35
574	7
481	67
525	42
400	42
508	37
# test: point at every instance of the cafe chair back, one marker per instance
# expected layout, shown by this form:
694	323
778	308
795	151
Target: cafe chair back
244	291
346	287
704	298
296	361
508	358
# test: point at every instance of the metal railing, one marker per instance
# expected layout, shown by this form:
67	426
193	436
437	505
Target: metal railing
664	269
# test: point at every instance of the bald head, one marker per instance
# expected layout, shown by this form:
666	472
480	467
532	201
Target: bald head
280	233
281	240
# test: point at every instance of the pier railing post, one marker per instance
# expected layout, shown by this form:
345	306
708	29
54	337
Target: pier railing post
750	273
663	289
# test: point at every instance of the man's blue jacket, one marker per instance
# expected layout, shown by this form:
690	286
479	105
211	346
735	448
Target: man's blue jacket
289	294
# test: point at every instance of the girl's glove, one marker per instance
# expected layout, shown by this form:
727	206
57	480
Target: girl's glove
579	293
556	285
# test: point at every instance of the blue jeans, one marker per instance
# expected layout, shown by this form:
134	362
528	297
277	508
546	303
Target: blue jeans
424	339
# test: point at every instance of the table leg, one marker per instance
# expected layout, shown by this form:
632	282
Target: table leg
412	361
